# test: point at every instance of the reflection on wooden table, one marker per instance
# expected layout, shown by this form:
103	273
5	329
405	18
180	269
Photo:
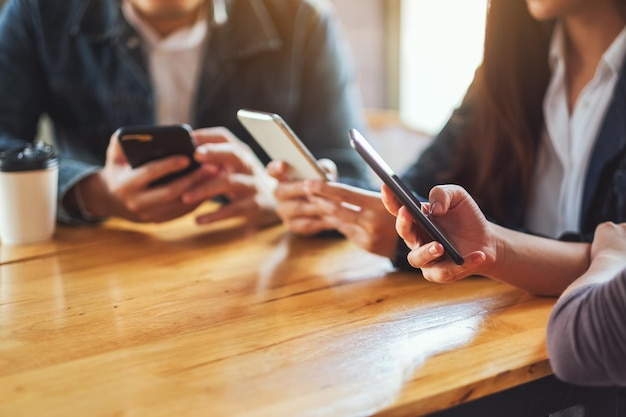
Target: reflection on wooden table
181	320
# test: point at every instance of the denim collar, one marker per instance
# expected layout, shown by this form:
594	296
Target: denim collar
249	27
97	20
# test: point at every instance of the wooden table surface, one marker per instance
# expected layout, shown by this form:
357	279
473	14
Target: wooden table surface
180	320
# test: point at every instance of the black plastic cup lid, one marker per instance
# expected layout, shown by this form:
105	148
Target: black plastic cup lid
28	158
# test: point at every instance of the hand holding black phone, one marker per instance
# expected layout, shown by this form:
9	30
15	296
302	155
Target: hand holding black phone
402	193
142	144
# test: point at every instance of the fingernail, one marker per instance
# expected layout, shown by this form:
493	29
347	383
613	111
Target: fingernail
310	186
436	208
189	198
433	249
477	259
210	169
203	149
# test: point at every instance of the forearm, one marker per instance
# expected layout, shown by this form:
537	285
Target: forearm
586	336
94	198
603	269
539	265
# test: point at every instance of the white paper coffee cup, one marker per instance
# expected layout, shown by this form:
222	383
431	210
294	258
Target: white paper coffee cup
28	194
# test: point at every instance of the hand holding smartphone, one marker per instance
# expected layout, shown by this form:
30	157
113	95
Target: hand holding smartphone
402	193
142	144
281	143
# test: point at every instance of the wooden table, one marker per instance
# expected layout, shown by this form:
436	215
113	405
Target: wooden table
181	320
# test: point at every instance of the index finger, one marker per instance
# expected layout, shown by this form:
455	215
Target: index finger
341	193
278	170
290	190
211	135
391	203
149	172
407	229
221	154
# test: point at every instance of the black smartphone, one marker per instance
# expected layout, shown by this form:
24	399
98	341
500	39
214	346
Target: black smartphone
402	193
142	144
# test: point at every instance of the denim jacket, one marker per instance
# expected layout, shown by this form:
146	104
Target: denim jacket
81	63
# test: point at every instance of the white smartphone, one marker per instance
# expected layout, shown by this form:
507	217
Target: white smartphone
281	143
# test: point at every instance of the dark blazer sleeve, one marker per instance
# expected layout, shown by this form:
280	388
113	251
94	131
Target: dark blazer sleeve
587	334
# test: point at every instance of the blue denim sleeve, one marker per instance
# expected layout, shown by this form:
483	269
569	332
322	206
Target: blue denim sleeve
21	77
24	91
71	172
587	335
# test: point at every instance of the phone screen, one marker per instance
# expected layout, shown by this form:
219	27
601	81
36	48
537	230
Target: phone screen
142	144
402	193
280	142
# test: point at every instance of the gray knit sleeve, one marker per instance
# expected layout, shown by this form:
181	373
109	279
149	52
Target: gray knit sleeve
587	334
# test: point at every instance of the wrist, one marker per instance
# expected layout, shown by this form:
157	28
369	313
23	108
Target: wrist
608	260
497	253
90	197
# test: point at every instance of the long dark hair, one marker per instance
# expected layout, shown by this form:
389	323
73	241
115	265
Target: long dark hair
499	150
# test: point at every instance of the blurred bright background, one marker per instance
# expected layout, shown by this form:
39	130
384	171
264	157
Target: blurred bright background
441	45
415	60
416	57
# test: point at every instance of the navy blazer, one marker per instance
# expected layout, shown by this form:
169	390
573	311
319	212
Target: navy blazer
604	195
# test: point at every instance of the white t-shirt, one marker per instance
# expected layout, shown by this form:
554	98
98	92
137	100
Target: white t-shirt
173	64
568	139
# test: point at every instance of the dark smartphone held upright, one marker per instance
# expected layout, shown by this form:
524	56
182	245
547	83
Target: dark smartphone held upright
142	144
402	193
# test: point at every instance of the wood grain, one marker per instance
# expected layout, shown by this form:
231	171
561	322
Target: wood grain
176	319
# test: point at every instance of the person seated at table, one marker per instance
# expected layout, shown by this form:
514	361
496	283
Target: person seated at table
586	333
94	66
491	250
538	139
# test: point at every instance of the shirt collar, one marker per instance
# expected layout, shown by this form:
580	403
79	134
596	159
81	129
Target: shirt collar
239	31
614	56
612	59
557	46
